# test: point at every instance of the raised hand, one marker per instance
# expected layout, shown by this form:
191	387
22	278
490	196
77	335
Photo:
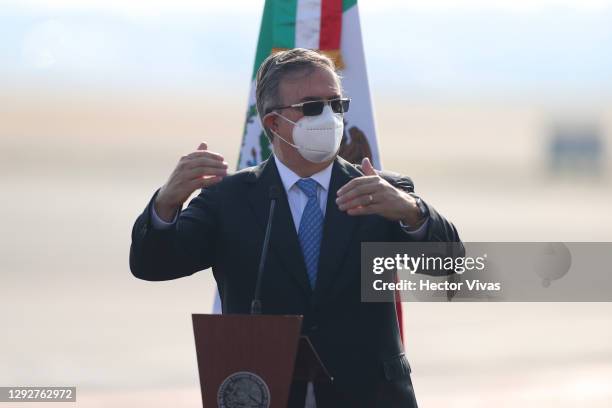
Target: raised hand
372	194
198	169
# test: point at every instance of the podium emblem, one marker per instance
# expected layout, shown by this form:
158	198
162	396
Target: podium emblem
243	389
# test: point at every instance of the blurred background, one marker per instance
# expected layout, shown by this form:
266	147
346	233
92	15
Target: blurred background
501	112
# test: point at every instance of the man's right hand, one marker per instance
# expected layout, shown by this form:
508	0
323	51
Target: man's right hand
198	169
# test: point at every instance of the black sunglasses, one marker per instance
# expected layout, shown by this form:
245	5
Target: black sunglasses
314	108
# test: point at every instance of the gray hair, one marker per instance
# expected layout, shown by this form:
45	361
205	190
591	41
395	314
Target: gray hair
280	64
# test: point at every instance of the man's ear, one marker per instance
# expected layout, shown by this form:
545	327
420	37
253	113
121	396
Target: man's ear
270	122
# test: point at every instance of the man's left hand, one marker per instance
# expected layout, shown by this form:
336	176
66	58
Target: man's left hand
371	194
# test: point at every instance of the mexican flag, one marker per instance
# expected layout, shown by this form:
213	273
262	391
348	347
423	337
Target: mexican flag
332	27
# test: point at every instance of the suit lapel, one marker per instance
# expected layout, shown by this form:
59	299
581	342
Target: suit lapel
284	243
337	230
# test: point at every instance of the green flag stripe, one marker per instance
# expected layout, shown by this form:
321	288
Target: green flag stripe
284	24
347	4
264	43
277	29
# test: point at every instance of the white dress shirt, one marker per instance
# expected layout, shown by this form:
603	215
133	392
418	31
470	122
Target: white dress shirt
296	197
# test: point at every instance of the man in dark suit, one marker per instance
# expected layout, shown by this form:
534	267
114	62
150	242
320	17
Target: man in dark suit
326	208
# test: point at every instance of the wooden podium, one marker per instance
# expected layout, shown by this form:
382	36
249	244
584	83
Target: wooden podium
251	360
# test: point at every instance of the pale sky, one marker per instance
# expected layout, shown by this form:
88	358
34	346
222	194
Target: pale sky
151	7
424	47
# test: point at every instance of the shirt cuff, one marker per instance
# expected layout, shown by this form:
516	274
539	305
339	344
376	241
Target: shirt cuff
416	234
160	224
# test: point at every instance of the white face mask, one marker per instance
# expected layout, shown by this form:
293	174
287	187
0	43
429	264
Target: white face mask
317	138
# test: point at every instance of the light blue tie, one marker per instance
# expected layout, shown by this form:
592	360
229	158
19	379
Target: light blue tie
311	229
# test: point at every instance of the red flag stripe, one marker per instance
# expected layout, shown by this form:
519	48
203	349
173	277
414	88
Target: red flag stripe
331	24
400	313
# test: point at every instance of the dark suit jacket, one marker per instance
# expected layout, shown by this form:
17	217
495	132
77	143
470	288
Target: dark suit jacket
223	228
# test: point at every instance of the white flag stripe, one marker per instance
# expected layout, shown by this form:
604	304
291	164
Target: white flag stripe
308	24
355	81
250	140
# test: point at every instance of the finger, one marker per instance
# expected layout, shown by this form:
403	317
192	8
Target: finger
205	153
369	188
202	172
367	167
361	200
205	162
370	209
202	146
356	182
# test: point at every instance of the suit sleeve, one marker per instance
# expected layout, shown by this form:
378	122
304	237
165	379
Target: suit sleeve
186	247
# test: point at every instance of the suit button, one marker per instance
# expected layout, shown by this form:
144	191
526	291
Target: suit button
314	328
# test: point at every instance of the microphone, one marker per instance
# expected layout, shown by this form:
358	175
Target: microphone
274	194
